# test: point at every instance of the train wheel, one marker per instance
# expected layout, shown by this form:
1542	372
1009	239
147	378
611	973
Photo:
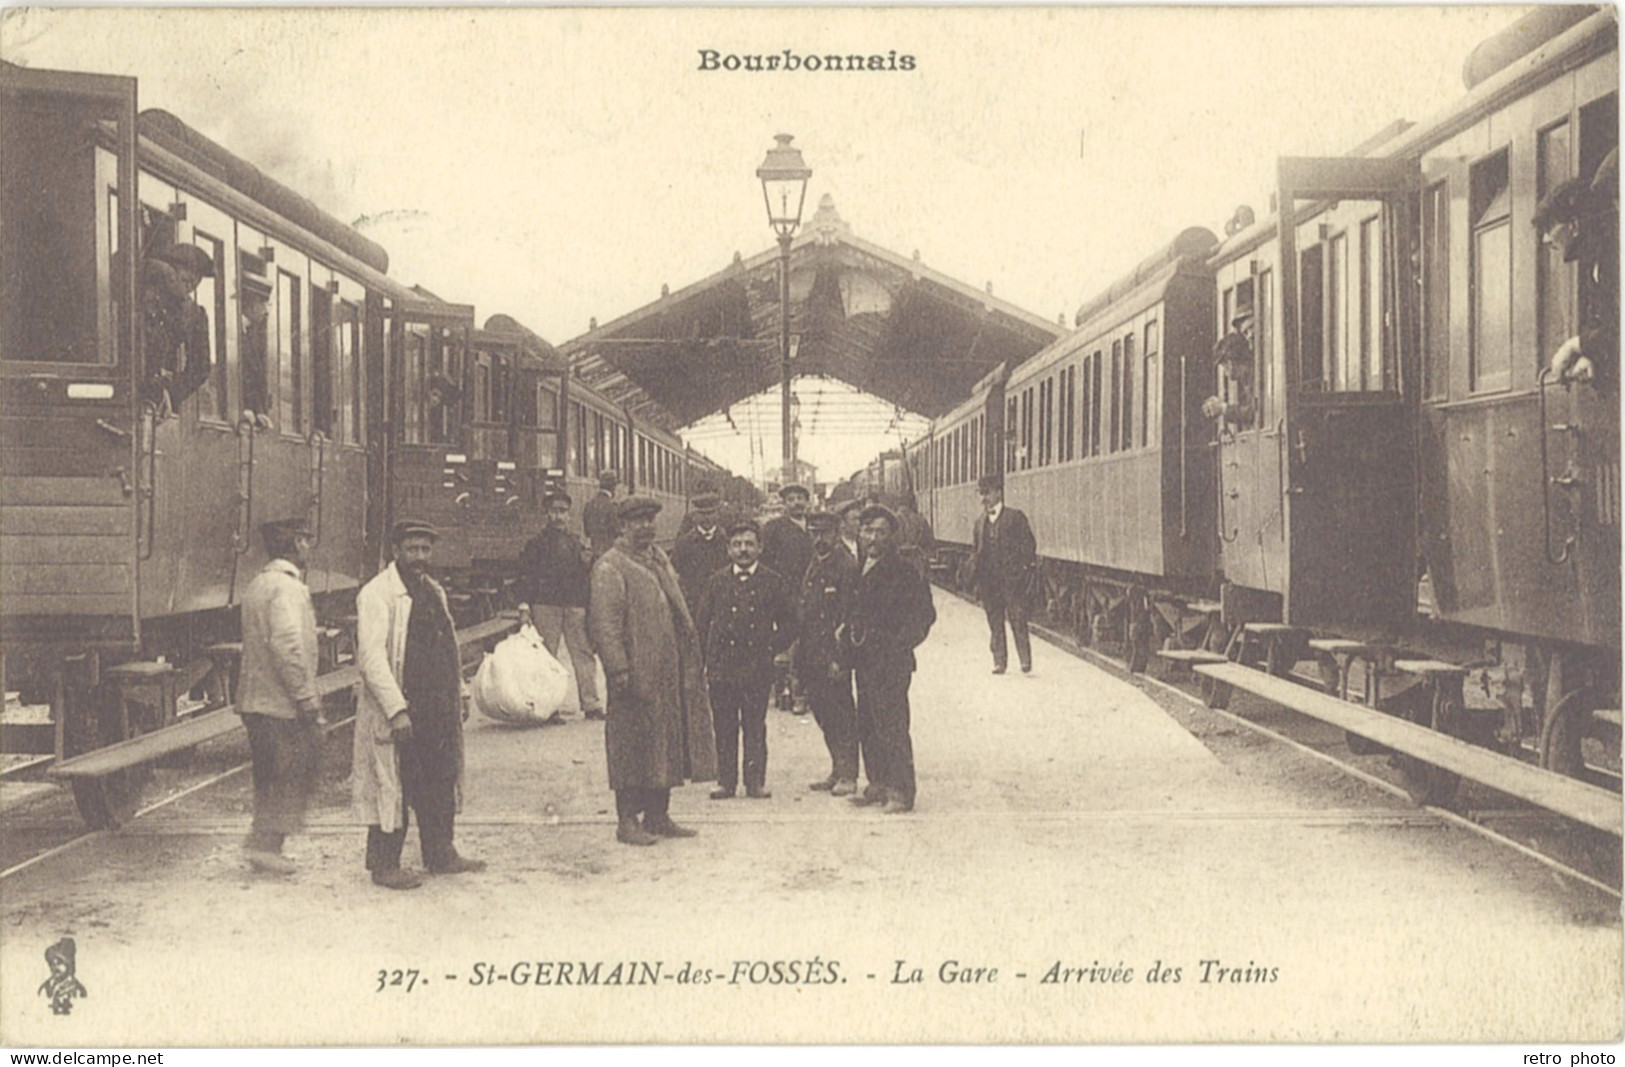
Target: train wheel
1426	783
112	800
1564	729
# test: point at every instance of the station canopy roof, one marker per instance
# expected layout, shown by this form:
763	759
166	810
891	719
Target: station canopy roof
883	323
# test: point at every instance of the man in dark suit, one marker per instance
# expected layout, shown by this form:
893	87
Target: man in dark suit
702	549
555	582
1002	565
891	614
826	595
787	549
599	519
746	617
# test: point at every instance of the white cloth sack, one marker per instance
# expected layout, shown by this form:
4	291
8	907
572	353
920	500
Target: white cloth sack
520	683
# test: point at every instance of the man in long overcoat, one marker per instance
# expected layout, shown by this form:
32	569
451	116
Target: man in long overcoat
746	618
1002	564
658	733
409	722
891	614
825	599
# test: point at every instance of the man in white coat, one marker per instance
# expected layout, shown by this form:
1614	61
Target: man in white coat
409	725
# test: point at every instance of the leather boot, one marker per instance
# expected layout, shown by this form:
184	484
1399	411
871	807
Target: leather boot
630	832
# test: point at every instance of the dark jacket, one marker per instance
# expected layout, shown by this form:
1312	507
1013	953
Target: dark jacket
826	598
891	614
786	548
1002	554
744	623
601	521
696	558
554	568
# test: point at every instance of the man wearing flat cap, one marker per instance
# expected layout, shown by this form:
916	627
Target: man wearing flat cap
787	549
554	574
276	693
600	518
702	549
409	723
1580	219
891	614
825	600
849	513
1003	565
175	331
658	733
746	618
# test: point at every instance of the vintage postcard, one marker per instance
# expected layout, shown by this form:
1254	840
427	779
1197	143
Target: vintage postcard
1043	525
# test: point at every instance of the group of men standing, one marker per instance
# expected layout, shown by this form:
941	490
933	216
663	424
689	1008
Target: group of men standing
688	646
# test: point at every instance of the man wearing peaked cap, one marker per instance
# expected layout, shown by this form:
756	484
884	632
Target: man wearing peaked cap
599	519
409	722
787	549
746	618
554	575
276	693
658	733
702	546
637	507
890	614
175	330
824	598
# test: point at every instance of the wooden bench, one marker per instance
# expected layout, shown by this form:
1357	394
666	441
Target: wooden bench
1569	797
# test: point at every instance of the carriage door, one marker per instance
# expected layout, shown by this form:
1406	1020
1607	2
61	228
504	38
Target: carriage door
69	372
1350	371
428	404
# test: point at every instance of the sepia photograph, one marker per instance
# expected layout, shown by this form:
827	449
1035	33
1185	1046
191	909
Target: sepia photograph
810	526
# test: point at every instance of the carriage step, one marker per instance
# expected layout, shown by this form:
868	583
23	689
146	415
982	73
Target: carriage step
1570	797
1608	715
1429	668
1269	629
1191	655
1339	646
1201	607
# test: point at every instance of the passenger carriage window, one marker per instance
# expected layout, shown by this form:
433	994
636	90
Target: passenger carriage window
1011	430
1436	291
1340	375
1115	409
213	402
1128	392
321	360
289	352
415	341
1311	319
1096	362
1027	428
1371	361
347	349
1554	278
1264	349
1151	389
1490	212
254	344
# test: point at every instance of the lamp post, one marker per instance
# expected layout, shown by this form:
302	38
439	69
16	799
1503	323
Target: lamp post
784	177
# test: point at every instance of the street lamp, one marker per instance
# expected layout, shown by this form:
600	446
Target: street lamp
784	177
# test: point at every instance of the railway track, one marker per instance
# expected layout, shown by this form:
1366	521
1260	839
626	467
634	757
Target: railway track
1572	852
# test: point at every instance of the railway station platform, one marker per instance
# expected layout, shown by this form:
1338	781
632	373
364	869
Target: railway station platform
1080	867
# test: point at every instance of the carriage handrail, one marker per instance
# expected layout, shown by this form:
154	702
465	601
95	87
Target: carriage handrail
1546	478
146	482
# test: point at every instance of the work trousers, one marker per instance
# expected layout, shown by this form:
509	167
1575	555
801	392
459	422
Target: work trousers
287	755
883	730
837	717
1002	606
559	622
653	804
740	706
429	787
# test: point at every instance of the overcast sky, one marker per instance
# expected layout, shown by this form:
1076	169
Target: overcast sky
557	165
